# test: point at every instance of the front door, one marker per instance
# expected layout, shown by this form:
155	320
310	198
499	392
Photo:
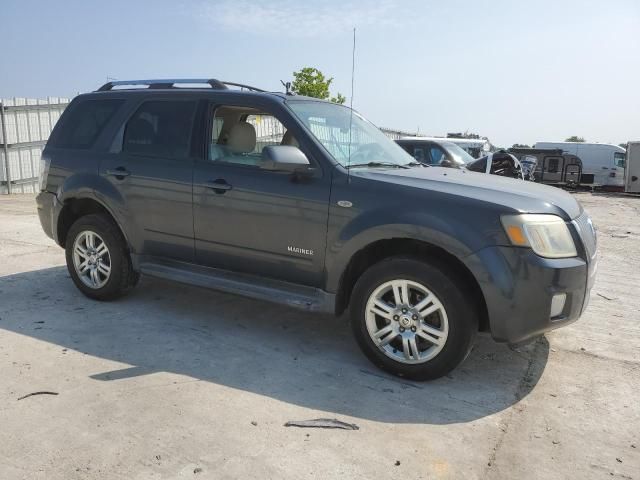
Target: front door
251	220
153	177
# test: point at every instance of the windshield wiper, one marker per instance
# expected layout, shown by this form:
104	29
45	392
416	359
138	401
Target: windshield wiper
417	164
377	164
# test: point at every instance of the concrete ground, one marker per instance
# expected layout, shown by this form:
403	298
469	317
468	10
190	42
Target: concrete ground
179	382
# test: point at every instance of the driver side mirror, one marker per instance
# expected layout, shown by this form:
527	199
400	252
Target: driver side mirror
284	158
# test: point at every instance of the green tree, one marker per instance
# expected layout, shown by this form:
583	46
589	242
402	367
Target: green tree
311	82
575	138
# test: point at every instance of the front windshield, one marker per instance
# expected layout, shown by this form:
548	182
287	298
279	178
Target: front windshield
460	156
618	159
350	141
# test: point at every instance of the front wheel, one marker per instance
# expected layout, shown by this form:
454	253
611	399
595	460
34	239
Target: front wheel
411	318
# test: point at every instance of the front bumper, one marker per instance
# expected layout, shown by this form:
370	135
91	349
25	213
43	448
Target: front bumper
518	287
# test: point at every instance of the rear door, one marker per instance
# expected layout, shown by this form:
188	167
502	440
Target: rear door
251	220
152	172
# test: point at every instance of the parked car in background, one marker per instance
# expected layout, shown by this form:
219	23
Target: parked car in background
606	162
443	153
435	152
323	213
474	147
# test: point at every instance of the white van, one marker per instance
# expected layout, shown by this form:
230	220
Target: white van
602	160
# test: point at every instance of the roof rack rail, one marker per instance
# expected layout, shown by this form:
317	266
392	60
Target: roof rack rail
170	82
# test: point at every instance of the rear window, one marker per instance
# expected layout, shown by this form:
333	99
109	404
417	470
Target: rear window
84	122
160	129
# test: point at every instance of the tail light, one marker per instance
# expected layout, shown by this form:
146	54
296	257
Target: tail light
45	163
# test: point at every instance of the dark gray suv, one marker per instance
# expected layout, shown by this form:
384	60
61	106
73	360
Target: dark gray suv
304	202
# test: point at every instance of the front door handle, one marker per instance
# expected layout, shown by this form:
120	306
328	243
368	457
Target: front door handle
119	172
219	186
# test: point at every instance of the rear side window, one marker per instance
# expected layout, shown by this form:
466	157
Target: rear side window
84	123
160	129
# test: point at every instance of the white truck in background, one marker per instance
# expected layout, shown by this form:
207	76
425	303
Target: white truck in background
606	162
632	170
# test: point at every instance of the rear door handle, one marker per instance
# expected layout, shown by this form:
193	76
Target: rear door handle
219	186
119	172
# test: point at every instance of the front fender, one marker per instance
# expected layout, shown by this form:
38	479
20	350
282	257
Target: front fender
449	233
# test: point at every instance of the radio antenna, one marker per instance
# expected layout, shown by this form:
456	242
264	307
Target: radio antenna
353	68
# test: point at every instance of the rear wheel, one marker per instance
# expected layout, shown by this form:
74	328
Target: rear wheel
411	318
97	258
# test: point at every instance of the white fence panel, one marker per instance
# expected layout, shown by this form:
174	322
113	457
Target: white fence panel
28	123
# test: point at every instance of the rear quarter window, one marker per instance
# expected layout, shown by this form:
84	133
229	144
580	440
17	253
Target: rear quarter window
84	122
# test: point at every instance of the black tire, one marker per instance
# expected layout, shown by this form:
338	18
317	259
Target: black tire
460	312
122	277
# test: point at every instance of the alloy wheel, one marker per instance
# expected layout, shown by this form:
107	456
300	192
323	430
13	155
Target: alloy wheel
406	321
91	259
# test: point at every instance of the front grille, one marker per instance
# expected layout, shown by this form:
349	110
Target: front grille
587	233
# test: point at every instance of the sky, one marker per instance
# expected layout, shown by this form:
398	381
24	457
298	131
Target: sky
514	71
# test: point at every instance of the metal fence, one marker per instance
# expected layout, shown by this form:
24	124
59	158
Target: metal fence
394	134
25	126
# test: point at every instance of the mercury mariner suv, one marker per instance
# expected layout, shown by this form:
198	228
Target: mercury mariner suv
303	202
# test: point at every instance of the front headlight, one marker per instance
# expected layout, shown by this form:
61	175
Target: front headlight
547	235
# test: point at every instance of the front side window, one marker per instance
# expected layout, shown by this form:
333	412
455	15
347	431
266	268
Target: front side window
239	134
619	159
350	139
84	123
437	155
269	130
160	129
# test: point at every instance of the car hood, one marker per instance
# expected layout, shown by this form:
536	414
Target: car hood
520	195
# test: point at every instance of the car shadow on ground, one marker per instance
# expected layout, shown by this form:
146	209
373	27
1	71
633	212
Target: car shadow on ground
304	359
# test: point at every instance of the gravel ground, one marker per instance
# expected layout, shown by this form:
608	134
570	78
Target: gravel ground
179	382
